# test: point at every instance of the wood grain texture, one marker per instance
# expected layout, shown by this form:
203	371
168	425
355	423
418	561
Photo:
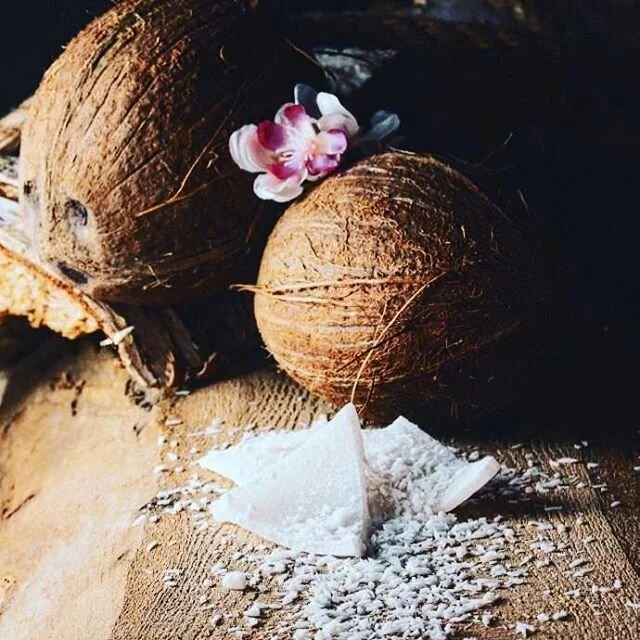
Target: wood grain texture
85	451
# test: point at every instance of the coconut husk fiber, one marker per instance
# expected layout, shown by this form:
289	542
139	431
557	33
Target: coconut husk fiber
399	285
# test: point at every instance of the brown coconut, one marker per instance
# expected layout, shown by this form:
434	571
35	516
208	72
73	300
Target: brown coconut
159	346
125	176
401	286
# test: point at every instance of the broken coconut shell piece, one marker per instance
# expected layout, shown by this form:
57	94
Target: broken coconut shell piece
293	486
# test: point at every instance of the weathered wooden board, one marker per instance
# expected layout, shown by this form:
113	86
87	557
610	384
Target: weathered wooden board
77	450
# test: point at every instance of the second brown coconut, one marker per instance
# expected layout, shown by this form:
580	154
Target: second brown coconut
401	286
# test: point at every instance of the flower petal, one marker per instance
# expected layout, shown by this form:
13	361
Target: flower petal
383	124
295	115
307	96
332	142
268	187
287	168
246	150
334	115
322	164
272	136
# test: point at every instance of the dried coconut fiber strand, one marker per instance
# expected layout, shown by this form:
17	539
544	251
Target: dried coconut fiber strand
317	490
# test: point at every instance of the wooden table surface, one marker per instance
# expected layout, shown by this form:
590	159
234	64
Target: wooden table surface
78	447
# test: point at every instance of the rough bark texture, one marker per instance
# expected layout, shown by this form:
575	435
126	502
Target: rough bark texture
129	188
401	285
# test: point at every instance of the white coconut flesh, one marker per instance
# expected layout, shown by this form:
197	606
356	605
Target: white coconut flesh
315	499
314	490
257	455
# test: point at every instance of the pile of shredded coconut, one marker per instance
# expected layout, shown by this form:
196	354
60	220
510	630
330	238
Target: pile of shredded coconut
425	572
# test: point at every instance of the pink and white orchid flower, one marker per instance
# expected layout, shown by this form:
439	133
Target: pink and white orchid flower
304	142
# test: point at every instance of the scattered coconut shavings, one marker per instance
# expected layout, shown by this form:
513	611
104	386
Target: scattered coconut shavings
425	571
315	500
523	629
234	581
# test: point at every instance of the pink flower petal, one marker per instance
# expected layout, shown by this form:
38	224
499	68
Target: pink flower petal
332	142
268	187
272	136
322	164
334	115
295	115
246	150
284	170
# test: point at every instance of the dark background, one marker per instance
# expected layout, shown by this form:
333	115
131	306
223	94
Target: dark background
573	119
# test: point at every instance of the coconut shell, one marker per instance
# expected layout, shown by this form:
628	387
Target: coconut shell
159	346
400	285
126	178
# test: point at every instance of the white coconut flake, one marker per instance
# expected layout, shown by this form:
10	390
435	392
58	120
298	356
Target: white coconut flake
255	456
234	581
446	481
523	629
139	520
315	500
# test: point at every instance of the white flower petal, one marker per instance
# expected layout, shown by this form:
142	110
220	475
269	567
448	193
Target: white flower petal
269	187
329	105
245	151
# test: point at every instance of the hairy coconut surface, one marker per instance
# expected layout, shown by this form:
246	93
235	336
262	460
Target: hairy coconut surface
125	172
400	285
